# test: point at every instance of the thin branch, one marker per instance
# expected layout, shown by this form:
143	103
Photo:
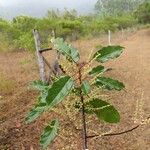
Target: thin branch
119	133
62	69
115	134
83	112
45	49
81	66
47	63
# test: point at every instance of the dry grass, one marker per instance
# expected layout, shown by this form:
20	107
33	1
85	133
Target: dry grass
6	85
4	46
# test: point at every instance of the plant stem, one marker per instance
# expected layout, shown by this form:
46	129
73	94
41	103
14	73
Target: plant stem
85	145
84	125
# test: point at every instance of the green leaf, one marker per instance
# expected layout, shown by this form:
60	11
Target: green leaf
39	85
85	87
97	70
66	49
39	108
107	53
103	110
49	134
35	113
51	97
43	96
59	90
109	84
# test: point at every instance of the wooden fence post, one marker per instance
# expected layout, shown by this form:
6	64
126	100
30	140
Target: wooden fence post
53	33
109	37
122	33
39	56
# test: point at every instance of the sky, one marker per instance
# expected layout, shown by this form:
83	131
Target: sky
11	8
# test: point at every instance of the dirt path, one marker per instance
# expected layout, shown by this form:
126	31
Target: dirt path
133	68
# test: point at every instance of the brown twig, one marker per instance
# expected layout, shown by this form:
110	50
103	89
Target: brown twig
118	133
83	110
115	134
45	49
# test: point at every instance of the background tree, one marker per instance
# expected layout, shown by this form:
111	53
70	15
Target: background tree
52	14
143	12
116	7
70	14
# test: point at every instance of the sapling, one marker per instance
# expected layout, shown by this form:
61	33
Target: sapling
84	82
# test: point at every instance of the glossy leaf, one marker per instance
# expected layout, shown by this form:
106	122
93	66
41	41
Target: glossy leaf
103	110
109	84
49	134
59	90
66	49
107	53
85	87
97	70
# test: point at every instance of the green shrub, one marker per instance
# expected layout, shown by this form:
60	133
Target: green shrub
24	23
143	13
18	32
25	41
4	43
125	22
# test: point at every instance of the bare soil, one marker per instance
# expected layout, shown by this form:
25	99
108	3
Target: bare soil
133	68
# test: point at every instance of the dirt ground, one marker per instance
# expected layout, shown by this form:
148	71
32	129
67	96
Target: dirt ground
133	68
